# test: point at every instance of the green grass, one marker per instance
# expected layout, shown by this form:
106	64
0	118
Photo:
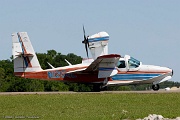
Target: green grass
82	106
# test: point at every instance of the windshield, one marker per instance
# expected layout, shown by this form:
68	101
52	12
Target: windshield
121	64
133	63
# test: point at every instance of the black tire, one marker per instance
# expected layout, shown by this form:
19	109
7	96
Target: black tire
104	88
96	88
155	87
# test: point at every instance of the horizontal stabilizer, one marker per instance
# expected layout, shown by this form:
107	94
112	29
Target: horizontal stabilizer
24	54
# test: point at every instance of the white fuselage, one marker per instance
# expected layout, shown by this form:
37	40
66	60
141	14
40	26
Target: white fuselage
132	71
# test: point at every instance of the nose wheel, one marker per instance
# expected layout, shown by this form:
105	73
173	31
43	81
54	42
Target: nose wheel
155	87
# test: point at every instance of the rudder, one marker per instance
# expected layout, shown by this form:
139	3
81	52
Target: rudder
25	59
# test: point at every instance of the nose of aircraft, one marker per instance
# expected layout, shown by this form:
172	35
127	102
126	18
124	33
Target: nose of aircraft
167	70
172	72
152	68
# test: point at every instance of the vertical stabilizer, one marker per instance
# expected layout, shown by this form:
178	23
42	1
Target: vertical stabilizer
98	44
25	59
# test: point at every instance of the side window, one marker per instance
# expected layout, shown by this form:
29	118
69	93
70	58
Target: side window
133	63
121	64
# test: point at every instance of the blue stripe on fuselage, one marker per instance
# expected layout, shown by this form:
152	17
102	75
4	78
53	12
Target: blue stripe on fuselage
134	76
98	39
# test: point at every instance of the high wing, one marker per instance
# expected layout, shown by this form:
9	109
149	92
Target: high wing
105	66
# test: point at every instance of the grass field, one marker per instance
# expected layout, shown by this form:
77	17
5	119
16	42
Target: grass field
82	106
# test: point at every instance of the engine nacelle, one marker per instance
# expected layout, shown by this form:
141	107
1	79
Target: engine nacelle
98	44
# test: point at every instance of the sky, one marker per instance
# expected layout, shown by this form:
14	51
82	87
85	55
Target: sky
148	30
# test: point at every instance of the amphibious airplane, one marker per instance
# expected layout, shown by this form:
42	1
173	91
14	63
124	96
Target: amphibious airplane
27	65
130	70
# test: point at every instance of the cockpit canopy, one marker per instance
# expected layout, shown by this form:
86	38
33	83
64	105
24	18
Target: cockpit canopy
131	62
121	64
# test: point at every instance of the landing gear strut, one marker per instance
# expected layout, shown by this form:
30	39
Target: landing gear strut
155	87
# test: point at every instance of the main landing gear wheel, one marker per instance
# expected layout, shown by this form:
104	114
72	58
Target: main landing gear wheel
155	87
96	88
99	87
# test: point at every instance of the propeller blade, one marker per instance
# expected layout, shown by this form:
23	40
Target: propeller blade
84	31
85	41
86	50
84	35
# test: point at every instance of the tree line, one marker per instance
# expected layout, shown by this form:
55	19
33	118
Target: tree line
11	83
